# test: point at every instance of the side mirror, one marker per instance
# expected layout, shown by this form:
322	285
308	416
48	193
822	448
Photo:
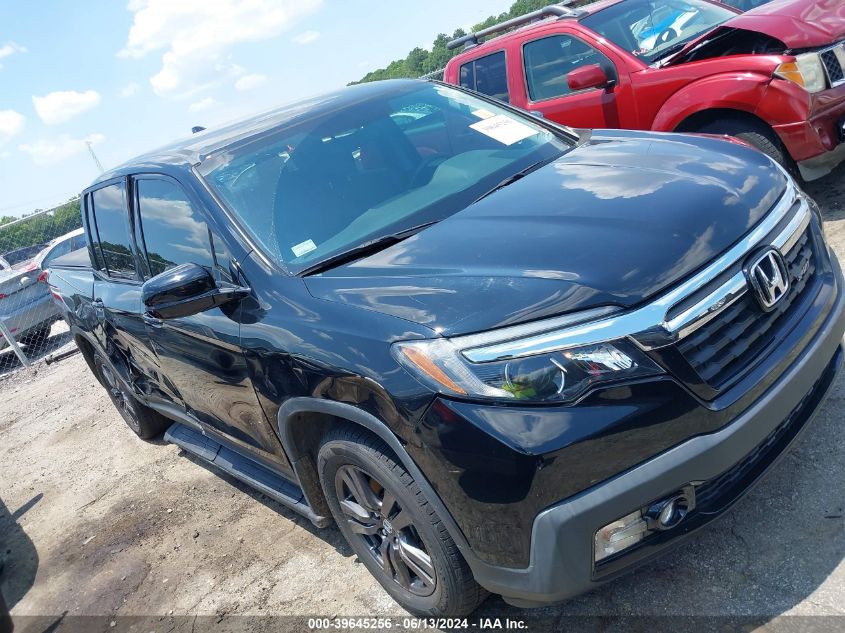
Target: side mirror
592	76
184	291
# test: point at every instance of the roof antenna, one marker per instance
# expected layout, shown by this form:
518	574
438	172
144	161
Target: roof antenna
197	128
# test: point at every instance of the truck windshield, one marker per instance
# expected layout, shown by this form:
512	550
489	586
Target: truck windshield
339	178
652	29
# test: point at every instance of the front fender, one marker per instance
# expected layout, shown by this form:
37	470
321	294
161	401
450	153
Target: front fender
301	463
742	91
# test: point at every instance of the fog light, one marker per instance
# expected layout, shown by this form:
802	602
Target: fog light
619	535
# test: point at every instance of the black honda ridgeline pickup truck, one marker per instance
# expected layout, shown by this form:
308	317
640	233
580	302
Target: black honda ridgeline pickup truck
502	355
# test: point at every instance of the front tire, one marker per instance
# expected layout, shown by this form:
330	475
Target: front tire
390	525
759	135
146	423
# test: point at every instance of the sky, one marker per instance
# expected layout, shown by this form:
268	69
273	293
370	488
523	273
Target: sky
128	77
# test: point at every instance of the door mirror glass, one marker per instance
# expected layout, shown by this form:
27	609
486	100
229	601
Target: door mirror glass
592	76
184	291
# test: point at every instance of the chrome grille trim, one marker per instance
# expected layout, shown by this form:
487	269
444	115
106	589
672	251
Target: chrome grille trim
830	58
648	326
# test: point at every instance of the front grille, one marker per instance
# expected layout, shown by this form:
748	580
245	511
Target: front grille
719	350
835	72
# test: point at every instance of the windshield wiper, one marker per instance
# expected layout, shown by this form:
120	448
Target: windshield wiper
369	247
668	52
514	177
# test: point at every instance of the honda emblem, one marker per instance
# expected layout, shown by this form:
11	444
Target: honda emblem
769	278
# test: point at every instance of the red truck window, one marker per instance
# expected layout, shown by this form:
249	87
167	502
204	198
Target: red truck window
548	62
487	75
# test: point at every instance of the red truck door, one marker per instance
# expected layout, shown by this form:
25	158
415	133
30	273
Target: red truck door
544	64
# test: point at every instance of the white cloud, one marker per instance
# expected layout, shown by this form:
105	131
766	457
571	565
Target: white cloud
59	107
10	48
202	104
250	82
130	89
196	36
11	123
4	155
51	151
306	37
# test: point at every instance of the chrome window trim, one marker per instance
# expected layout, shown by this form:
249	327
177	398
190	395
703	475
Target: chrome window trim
648	326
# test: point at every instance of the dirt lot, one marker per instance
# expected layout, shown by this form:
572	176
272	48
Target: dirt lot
97	522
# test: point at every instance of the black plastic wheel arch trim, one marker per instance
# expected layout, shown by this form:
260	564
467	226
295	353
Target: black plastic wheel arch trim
353	414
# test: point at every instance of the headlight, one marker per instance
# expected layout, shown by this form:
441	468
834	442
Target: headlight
560	375
806	71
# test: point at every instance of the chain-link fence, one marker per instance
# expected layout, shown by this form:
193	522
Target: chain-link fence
30	325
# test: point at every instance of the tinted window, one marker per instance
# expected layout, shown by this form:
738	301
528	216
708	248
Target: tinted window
62	248
348	175
550	60
487	75
112	220
77	242
173	232
97	256
23	255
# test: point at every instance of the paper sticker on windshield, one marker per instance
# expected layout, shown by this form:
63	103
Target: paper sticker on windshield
504	129
483	114
303	248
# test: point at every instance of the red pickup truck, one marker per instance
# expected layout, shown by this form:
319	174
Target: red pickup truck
773	76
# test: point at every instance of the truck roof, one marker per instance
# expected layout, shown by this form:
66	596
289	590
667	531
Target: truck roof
194	149
494	43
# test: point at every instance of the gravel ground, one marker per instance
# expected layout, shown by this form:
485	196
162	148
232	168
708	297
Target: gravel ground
96	522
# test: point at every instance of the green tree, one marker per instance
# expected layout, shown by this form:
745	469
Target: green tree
420	61
39	228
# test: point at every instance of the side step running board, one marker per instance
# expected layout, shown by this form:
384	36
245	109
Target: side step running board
243	469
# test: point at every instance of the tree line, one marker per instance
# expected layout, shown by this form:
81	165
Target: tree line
421	61
39	228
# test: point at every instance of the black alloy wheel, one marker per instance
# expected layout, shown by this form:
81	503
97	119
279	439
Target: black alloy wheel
124	402
375	516
145	422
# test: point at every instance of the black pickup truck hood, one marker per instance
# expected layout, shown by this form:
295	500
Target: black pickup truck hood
613	222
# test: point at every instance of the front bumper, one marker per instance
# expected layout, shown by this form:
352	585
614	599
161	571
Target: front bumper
817	144
561	553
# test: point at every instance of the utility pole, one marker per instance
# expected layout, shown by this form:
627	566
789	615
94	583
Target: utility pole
94	156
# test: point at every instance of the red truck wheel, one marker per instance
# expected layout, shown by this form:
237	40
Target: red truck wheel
759	135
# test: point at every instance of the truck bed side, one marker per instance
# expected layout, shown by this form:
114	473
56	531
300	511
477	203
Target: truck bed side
71	284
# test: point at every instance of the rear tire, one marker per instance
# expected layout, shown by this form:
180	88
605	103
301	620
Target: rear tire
393	529
146	423
759	135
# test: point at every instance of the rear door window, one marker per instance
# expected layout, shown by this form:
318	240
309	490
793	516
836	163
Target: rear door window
173	231
487	75
111	218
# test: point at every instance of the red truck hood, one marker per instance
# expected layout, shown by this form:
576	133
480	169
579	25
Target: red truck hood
796	23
